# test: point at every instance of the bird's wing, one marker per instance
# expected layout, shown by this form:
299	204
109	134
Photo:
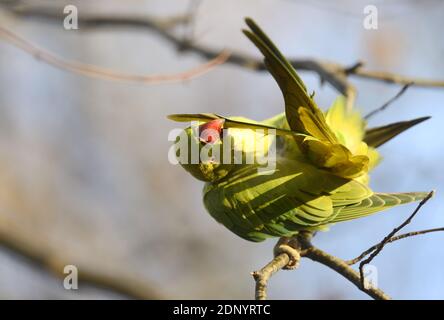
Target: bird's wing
297	196
375	203
303	116
302	113
233	123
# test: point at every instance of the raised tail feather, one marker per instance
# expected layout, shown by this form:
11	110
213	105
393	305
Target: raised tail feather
375	137
377	202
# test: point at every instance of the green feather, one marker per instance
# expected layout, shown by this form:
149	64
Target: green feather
376	203
321	166
235	122
376	137
304	116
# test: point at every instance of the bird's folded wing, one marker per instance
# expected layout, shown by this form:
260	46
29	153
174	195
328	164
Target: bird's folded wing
295	197
375	203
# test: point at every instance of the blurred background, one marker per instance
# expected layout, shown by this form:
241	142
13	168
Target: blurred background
84	174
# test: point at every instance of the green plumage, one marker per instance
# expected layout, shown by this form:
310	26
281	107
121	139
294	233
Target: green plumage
322	164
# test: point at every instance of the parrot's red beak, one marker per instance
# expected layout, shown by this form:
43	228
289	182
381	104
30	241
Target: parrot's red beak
211	132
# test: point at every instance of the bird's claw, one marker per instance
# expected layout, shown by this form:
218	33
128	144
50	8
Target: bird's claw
291	247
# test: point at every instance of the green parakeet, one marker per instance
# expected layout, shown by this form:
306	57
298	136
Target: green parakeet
321	165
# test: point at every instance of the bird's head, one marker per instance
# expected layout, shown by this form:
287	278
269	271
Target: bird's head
200	150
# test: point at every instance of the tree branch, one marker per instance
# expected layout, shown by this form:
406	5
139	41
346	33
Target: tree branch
334	73
386	240
302	244
392	239
263	275
393	78
341	267
43	259
389	102
107	74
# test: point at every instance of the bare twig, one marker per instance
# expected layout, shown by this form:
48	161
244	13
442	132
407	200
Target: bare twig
392	239
386	240
334	73
393	78
341	267
327	71
389	102
263	275
106	74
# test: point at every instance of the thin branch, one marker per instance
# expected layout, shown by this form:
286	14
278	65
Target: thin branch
302	244
41	258
386	240
341	267
304	248
389	102
263	275
107	74
392	239
393	78
334	73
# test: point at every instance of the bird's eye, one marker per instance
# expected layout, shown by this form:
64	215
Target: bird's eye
211	132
